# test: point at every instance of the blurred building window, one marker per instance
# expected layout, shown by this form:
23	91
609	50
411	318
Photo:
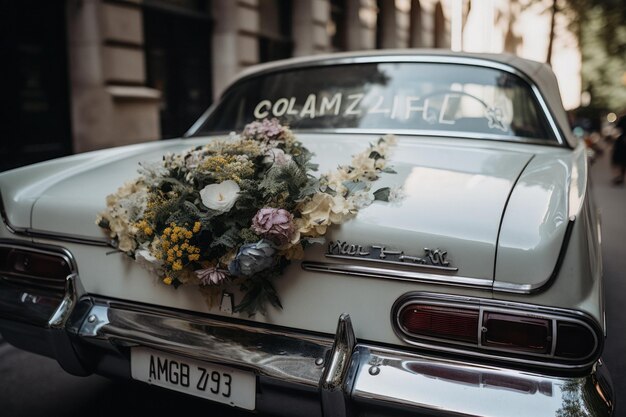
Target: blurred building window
188	7
177	36
415	35
36	122
440	27
337	26
386	24
275	38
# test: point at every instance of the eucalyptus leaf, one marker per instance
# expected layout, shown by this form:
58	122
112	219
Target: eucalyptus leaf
382	194
308	241
354	186
375	155
311	188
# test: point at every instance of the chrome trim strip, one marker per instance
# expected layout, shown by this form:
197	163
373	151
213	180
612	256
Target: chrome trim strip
434	133
291	357
435	59
508	287
40	234
422	385
64	237
73	291
406	264
491	353
335	384
196	125
480	283
396	274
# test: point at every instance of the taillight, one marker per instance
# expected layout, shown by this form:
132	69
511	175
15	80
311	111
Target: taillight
517	333
32	270
498	330
440	322
574	341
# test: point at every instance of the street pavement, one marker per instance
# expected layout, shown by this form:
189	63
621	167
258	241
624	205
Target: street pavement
36	386
611	201
33	386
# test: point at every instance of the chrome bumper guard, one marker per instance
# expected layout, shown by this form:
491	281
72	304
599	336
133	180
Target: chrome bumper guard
303	374
348	376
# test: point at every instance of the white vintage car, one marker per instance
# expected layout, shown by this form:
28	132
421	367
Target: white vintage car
443	259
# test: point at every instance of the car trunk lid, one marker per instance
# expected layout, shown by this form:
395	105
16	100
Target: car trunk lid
454	197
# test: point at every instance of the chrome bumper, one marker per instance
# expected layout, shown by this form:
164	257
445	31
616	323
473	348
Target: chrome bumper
303	374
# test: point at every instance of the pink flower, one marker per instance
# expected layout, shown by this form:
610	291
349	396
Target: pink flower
276	156
274	224
211	276
264	130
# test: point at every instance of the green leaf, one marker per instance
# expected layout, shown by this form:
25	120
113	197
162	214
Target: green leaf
269	293
311	188
375	155
354	186
312	167
104	223
248	236
382	194
309	241
200	214
388	170
228	240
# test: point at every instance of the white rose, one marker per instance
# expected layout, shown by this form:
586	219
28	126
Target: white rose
220	197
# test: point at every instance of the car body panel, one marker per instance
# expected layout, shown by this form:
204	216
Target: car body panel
455	200
515	218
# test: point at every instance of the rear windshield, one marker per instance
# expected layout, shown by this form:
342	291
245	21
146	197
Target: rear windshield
460	99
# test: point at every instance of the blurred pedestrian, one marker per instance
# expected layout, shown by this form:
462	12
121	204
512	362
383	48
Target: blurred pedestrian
619	152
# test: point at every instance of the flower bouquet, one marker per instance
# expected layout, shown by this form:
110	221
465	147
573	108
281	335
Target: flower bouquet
237	211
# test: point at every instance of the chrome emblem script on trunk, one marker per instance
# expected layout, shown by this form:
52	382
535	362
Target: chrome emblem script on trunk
431	258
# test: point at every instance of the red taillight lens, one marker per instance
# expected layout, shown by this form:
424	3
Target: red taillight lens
440	322
34	271
574	341
517	333
33	263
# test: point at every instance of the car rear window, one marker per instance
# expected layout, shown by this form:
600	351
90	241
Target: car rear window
419	97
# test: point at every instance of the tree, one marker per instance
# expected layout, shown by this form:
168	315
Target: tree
601	29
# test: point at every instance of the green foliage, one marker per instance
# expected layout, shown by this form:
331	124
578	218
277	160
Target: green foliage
603	40
259	291
163	212
354	186
229	239
288	178
375	155
312	186
248	236
382	194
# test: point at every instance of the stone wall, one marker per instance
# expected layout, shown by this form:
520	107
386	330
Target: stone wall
110	104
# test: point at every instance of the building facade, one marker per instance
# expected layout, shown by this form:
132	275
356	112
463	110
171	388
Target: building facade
94	74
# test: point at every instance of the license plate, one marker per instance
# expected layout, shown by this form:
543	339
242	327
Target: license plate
214	382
